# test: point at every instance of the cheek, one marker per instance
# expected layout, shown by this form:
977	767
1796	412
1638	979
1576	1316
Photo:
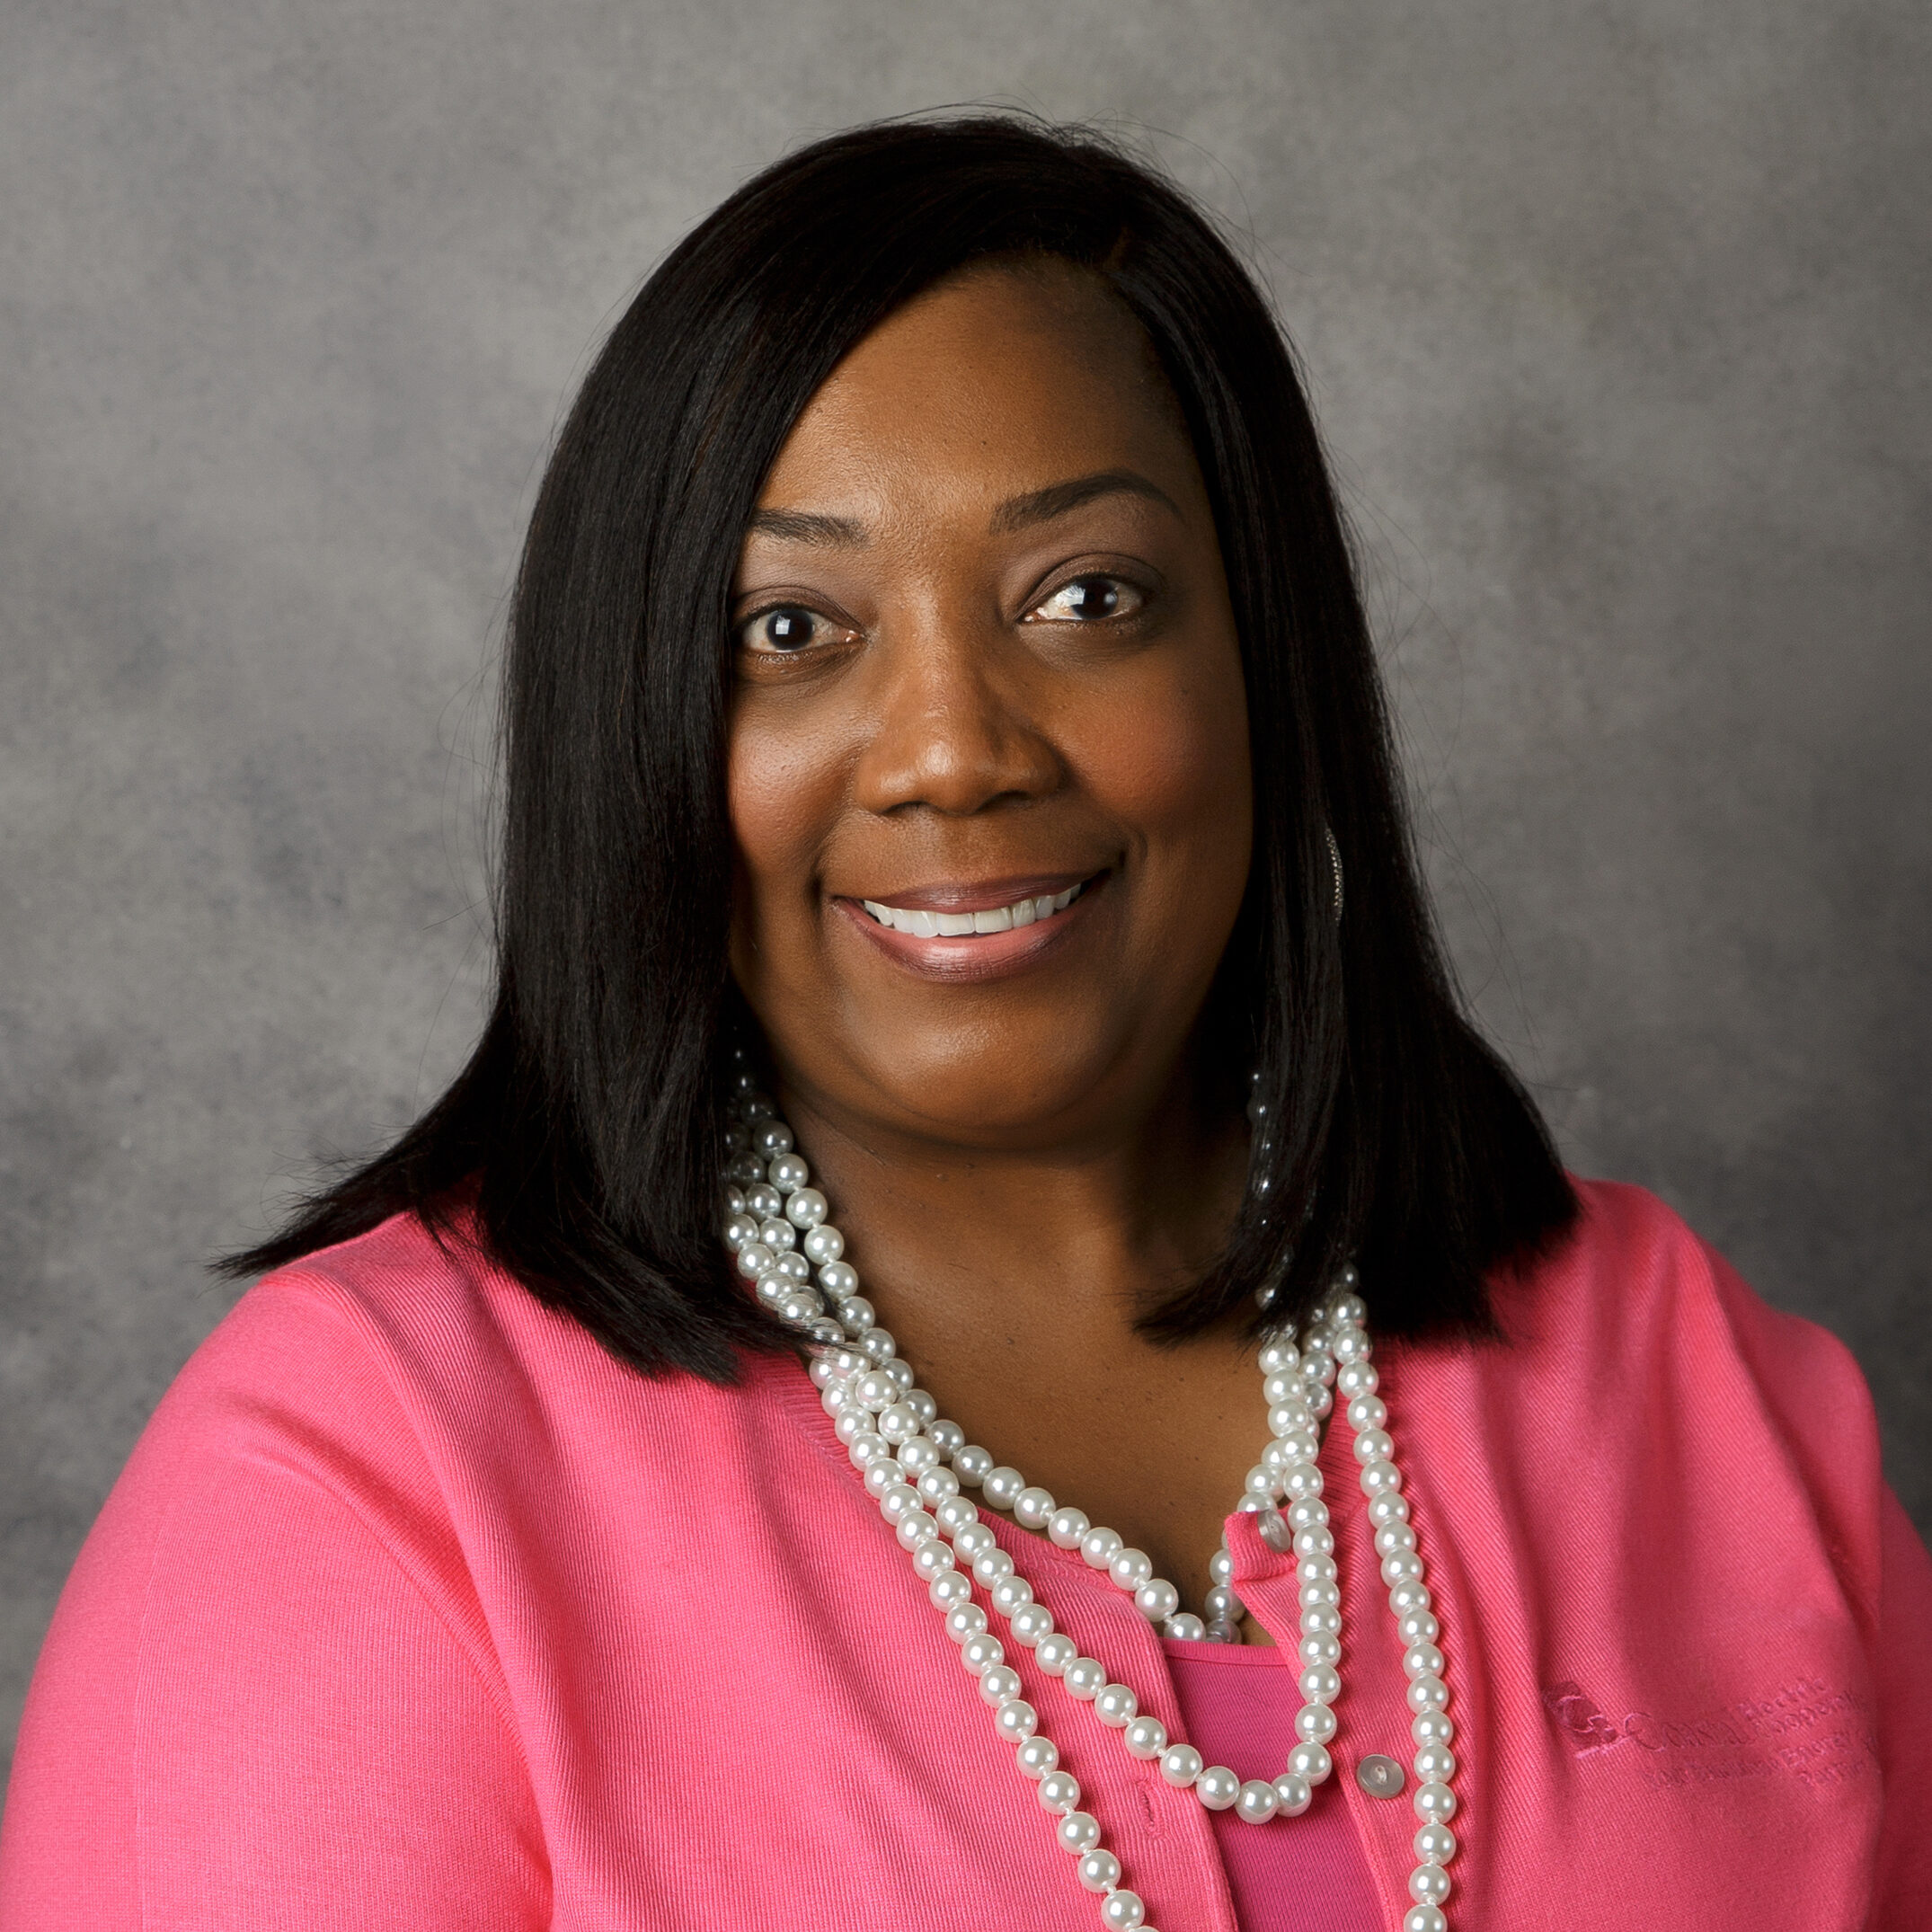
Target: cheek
1174	764
782	793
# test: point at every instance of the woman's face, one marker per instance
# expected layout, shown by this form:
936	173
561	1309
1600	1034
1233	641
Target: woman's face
985	661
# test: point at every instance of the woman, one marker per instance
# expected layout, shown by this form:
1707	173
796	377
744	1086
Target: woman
949	797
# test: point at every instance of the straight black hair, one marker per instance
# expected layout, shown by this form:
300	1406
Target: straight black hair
583	1146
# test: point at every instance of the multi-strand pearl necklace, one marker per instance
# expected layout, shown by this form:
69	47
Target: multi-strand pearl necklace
917	1466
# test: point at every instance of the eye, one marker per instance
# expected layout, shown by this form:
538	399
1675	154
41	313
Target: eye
1088	599
786	628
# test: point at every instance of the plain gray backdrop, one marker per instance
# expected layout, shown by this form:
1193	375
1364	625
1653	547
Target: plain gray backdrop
1615	317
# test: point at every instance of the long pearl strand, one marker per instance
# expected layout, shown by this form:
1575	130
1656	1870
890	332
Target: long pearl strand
917	1465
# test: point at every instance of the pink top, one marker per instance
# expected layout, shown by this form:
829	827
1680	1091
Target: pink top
1238	1703
413	1610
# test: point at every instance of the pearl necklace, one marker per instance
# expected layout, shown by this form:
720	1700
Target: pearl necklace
917	1465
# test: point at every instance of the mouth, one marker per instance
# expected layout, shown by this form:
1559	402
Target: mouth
985	930
955	920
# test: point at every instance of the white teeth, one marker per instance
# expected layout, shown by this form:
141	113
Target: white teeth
923	924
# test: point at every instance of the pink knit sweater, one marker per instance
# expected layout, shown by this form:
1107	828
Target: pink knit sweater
413	1610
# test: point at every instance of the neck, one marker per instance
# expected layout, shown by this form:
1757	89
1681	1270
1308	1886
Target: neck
1066	1241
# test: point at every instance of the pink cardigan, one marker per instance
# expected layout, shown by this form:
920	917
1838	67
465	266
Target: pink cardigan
413	1610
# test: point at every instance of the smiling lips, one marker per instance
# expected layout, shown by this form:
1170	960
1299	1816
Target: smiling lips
926	923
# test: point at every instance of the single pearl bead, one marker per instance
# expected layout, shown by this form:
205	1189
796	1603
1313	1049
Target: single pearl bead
1146	1737
1037	1755
959	1514
875	1390
1129	1569
1257	1802
1123	1912
1222	1630
1321	1619
1221	1567
965	1621
1433	1727
1316	1722
1402	1567
1320	1683
973	1539
1428	1692
1315	1542
1031	1622
952	1587
1156	1599
998	1684
1033	1506
1368	1412
1424	1918
1435	1803
1016	1719
1001	1483
1392	1537
1185	1627
779	1236
981	1651
1084	1678
789	1173
922	1404
930	1558
1311	1761
1099	1871
1218	1788
991	1567
1059	1791
900	1371
1259	1482
970	1464
1284	1386
1435	1844
806	1208
947	1438
1278	1356
739	1229
883	1474
1287	1418
1078	1831
1377	1476
1429	1885
1317	1371
1422	1659
1221	1604
840	1278
1180	1765
938	1483
1320	1647
1066	1527
1316	1567
1435	1764
1319	1596
1293	1793
1309	1513
1373	1445
914	1528
916	1457
1116	1707
822	1243
1406	1597
1419	1627
898	1423
772	1136
1358	1379
1101	1547
1347	1344
1056	1652
1011	1595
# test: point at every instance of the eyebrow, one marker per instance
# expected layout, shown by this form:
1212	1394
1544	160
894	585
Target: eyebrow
1017	513
1042	506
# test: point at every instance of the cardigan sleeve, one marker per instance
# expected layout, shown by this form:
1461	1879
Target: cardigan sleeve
1810	1381
263	1702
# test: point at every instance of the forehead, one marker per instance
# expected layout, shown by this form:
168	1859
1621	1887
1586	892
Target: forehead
1002	379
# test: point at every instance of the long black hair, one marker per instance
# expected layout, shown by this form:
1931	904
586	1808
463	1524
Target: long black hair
583	1143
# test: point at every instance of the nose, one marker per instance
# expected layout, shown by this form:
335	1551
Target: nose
957	727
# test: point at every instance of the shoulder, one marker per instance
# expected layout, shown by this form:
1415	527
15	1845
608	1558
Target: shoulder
1636	1343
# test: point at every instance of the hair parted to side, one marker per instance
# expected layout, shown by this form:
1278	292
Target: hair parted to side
586	1133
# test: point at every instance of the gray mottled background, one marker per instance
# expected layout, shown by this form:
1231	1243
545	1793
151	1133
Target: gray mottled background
1617	319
